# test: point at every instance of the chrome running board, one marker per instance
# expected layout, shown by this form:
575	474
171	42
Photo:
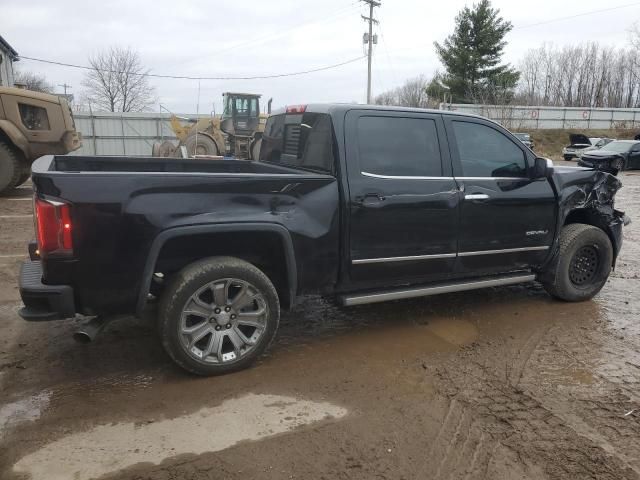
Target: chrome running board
383	296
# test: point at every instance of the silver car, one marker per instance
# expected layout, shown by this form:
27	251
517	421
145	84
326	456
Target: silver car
579	141
598	145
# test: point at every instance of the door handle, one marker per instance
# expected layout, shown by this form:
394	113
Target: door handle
476	196
370	198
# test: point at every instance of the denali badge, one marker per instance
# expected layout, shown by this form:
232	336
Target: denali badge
531	233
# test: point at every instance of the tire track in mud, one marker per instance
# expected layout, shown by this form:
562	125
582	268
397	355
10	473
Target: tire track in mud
514	374
460	449
592	441
509	417
596	406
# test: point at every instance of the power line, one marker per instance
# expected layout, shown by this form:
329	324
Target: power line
273	36
552	20
185	77
386	52
559	19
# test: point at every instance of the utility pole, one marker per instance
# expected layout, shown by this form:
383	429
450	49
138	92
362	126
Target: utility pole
65	86
370	40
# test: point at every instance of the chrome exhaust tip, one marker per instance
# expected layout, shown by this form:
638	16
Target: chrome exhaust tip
89	330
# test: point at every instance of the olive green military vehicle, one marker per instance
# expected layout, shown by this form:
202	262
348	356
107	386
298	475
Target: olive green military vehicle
32	124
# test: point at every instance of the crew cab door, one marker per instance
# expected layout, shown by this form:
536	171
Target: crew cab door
507	219
403	202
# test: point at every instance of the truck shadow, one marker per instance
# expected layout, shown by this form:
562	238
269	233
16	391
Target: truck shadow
130	348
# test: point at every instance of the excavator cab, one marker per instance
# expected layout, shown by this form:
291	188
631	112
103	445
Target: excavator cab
241	114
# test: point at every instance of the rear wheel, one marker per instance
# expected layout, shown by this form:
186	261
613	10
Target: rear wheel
583	263
218	315
10	168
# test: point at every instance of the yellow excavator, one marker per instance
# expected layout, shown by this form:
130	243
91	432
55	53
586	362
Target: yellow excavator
237	133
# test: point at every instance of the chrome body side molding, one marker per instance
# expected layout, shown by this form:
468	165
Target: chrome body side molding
362	261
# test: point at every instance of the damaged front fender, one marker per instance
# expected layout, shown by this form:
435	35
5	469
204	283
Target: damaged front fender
587	196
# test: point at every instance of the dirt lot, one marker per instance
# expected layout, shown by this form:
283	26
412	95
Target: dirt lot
498	384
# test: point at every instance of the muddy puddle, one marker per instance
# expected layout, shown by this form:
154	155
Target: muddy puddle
26	409
108	448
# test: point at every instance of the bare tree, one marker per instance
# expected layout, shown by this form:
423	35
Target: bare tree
585	75
118	81
390	97
32	81
413	93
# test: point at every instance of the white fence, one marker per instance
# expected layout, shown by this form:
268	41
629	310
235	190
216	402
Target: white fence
522	118
135	133
122	133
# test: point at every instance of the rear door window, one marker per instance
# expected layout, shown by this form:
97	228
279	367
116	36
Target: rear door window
398	147
303	140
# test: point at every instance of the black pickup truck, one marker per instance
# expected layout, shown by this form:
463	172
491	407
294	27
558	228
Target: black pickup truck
360	203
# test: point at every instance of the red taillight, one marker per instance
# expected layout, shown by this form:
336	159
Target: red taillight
296	108
53	226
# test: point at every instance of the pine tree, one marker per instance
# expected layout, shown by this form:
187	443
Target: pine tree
472	56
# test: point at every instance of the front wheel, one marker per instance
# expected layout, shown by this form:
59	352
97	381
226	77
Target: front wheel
583	263
218	315
201	144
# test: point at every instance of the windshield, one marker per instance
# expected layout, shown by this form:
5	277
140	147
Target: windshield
522	136
617	147
604	142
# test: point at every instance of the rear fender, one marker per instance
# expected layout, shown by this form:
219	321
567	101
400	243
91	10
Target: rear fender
163	237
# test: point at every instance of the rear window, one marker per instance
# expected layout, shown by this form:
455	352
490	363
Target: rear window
303	140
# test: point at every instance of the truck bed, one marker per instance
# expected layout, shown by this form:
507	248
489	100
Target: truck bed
121	205
156	165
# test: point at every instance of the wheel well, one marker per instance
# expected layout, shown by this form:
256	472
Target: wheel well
265	250
589	217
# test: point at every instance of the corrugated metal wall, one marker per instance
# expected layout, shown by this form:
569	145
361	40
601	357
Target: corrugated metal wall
523	118
135	133
122	134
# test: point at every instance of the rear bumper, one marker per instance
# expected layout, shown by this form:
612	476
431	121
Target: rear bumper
43	302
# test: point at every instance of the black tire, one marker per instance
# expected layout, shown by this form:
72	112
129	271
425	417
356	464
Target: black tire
567	158
582	266
10	168
187	283
26	174
201	145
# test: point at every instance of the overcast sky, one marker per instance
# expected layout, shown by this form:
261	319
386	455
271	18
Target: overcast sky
250	37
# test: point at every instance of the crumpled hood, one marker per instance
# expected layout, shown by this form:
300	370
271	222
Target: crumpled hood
586	188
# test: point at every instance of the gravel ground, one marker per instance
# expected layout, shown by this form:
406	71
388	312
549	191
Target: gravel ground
495	384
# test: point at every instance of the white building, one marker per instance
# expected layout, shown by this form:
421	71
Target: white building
7	56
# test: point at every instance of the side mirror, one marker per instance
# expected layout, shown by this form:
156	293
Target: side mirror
542	168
